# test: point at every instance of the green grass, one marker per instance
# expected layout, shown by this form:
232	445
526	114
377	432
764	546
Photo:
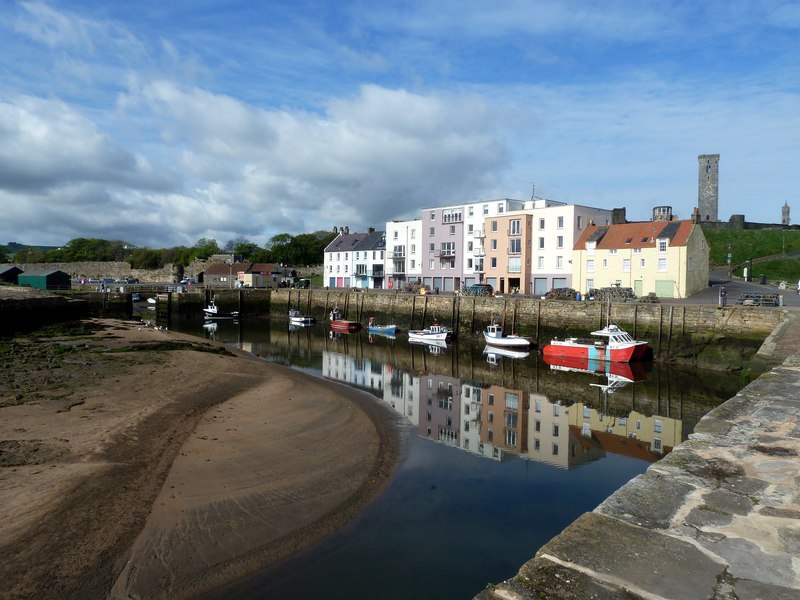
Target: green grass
776	270
746	244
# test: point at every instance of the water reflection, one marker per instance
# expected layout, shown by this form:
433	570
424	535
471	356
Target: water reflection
490	473
498	403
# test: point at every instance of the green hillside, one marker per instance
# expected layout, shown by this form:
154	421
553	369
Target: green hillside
755	244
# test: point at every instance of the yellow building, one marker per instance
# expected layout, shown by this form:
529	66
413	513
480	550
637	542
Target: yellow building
669	258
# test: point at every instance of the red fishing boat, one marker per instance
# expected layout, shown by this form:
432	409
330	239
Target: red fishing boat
340	324
614	344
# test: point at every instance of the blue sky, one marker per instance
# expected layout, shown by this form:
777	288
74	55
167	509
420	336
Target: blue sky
162	122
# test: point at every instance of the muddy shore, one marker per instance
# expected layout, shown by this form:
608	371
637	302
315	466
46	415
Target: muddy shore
137	462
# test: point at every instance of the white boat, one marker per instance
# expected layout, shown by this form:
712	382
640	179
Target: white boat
151	301
297	318
212	312
493	334
435	332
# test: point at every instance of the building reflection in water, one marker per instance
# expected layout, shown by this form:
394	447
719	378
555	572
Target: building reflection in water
498	422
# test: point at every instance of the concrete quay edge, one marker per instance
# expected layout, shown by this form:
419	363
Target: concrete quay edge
716	519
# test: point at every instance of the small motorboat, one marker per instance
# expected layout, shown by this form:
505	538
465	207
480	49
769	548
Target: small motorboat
373	327
340	324
434	332
213	312
297	318
493	334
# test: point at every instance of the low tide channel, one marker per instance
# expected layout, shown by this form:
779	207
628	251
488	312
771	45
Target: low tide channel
502	454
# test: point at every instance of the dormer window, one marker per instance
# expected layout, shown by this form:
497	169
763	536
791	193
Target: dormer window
662	245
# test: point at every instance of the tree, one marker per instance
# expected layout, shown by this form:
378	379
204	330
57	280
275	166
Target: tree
205	247
3	256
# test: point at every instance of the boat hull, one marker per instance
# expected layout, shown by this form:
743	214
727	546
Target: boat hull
383	329
345	326
302	320
507	341
421	336
568	349
209	314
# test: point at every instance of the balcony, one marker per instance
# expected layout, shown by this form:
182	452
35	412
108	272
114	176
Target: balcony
479	233
361	271
399	254
377	271
479	266
445	253
479	252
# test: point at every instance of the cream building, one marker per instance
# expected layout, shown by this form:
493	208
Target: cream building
668	258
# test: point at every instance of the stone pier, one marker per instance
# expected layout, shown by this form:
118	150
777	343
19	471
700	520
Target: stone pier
717	519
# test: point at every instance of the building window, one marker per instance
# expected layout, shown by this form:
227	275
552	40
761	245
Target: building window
514	264
537	425
469	246
452	215
662	265
691	264
662	245
537	444
590	284
469	263
556	410
515	227
658	425
471	211
641	263
612	251
430	265
605	263
578	222
537	405
541	223
560	222
413	264
432	248
559	262
493	262
413	248
555	429
590	265
555	449
637	250
395	234
413	233
493	244
432	231
494	226
560	241
470	228
540	262
500	208
433	215
541	243
515	245
657	444
626	265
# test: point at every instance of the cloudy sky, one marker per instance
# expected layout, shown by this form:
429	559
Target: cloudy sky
159	122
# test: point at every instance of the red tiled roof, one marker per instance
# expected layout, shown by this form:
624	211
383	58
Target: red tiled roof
636	235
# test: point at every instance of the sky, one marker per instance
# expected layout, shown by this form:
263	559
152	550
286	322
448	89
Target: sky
161	122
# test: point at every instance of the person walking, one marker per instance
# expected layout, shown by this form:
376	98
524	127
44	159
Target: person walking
723	296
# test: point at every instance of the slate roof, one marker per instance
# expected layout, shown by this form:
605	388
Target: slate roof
264	268
6	268
636	235
375	240
346	242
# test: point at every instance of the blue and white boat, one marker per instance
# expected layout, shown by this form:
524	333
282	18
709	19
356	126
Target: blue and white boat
373	327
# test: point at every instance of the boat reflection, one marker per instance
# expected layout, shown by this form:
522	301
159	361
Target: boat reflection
435	347
494	354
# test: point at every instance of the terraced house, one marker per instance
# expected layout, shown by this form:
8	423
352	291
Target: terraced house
668	258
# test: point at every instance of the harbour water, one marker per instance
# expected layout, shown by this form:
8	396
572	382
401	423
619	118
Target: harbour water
502	454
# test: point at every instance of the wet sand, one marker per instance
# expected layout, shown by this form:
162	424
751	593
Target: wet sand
168	469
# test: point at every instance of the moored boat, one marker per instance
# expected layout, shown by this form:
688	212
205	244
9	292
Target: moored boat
297	318
493	334
373	327
212	311
340	324
614	344
434	332
434	346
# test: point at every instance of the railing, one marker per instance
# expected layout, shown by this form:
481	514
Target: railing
479	252
478	233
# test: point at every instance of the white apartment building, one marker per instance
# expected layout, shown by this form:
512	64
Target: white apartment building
403	253
556	228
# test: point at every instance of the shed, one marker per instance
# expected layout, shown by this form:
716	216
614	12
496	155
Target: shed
9	273
45	279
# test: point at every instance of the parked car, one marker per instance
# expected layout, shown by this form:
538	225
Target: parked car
478	289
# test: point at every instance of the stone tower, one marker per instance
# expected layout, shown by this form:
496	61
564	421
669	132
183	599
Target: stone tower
708	187
785	214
